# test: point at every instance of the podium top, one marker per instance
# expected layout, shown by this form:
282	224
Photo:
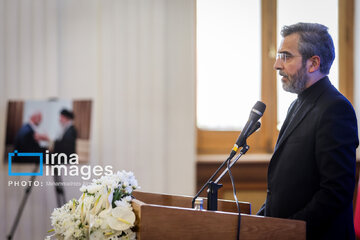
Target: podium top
185	202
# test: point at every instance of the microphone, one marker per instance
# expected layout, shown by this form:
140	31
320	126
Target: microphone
255	127
251	126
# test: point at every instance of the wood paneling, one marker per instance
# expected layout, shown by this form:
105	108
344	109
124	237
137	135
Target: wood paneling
219	142
82	121
14	120
268	74
346	48
247	176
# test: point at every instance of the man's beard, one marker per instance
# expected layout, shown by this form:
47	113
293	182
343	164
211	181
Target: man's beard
297	82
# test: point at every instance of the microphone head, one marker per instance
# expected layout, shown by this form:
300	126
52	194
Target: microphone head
259	108
252	124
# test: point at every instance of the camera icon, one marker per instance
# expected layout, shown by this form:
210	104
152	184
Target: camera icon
11	156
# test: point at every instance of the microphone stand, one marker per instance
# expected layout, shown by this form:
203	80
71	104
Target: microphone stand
209	181
213	187
22	204
212	203
242	152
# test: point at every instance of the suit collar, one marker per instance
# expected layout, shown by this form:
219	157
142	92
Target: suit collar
308	100
315	89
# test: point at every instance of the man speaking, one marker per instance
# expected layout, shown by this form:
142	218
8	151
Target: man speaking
311	174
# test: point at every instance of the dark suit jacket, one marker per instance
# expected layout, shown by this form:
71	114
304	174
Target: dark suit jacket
67	144
26	143
311	174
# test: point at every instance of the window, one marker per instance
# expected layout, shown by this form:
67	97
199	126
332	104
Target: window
339	17
228	62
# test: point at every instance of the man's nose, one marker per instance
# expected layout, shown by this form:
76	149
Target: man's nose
278	64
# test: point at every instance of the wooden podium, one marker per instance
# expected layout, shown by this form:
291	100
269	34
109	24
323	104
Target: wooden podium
162	216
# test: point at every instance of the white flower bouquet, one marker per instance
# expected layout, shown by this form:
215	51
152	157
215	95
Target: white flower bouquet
102	212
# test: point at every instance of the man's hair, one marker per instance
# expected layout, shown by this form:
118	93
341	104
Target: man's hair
314	40
67	113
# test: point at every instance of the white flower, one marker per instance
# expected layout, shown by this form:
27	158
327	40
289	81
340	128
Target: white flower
94	188
92	215
124	202
97	235
129	189
119	218
96	221
111	195
83	188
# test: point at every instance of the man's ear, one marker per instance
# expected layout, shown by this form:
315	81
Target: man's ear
314	63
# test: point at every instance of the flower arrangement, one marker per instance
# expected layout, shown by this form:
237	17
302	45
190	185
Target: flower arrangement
102	212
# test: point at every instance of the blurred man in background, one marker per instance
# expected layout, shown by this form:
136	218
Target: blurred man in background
66	142
27	139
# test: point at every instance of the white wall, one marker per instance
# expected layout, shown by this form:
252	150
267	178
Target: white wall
135	60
